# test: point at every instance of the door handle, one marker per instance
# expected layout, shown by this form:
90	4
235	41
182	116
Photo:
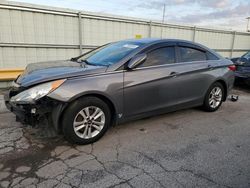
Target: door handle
173	74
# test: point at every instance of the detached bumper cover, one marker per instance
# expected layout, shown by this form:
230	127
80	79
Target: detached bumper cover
33	114
25	113
11	107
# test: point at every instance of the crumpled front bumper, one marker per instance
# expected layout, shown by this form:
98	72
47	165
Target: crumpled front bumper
25	113
33	114
19	112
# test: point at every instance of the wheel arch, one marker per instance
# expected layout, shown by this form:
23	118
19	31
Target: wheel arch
224	84
103	97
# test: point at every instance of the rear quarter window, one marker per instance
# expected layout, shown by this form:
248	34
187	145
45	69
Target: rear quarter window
211	56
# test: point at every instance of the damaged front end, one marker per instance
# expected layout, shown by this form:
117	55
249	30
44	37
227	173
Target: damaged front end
32	106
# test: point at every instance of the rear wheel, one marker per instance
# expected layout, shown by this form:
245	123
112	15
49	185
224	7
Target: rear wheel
214	97
86	120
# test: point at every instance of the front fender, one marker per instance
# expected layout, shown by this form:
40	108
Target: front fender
109	86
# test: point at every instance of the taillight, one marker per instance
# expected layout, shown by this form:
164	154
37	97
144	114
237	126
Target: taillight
232	67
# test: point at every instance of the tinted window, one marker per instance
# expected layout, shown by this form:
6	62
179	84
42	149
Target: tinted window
160	56
211	56
191	54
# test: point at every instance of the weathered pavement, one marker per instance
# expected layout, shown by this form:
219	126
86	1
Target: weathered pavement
189	148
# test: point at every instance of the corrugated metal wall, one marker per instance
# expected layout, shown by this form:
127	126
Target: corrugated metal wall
31	33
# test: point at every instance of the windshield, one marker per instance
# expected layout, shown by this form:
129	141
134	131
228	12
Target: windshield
110	53
247	55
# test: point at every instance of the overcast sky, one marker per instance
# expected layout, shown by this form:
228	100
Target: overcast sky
229	14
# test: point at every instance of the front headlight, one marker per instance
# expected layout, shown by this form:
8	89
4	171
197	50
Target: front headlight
37	92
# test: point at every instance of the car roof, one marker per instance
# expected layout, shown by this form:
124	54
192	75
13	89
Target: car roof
144	40
151	41
157	40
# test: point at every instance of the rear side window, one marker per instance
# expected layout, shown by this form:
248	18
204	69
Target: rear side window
160	56
190	54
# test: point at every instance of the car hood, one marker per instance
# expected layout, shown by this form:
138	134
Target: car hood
36	73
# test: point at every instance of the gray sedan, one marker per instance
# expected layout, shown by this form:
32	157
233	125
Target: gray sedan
118	82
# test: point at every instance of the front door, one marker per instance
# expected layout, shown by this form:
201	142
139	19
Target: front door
152	85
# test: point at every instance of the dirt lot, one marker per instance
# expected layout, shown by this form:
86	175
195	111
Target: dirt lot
189	148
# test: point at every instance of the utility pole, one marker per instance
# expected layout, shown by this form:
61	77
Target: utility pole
163	18
163	14
248	19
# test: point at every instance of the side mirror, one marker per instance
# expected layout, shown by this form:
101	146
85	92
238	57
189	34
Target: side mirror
137	60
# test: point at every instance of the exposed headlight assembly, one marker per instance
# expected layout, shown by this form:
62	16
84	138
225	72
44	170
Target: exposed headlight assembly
37	92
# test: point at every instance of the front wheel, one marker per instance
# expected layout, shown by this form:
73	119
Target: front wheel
86	120
214	97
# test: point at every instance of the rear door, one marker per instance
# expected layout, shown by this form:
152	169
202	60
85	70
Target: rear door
152	85
195	72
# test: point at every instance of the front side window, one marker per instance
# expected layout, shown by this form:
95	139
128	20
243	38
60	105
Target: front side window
190	54
160	56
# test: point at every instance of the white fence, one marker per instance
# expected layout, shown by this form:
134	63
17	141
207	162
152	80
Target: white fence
31	33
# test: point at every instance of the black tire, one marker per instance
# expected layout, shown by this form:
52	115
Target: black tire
71	112
206	106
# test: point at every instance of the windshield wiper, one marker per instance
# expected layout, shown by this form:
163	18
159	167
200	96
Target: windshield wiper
74	59
86	62
93	64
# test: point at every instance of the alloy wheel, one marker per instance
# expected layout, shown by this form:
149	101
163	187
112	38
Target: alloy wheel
215	97
89	122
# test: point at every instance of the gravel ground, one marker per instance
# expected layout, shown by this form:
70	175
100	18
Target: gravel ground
188	148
